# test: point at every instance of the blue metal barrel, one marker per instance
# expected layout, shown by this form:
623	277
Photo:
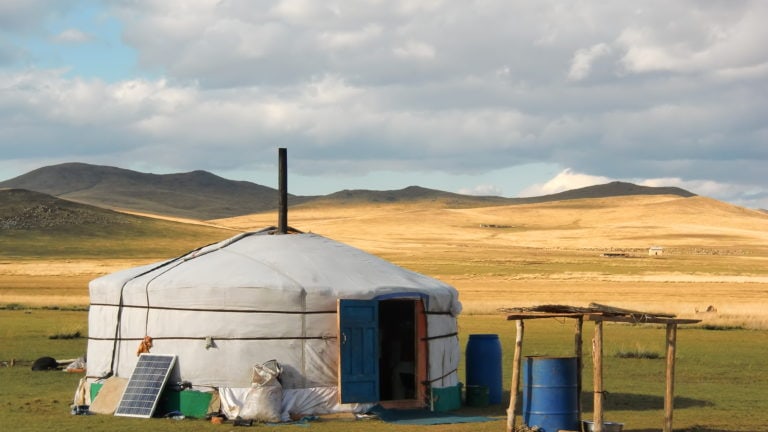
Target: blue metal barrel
550	393
483	364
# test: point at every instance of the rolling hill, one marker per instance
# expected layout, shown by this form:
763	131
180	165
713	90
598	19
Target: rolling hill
204	196
34	224
196	195
23	210
410	194
612	189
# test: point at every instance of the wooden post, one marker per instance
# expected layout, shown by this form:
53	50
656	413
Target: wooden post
669	395
597	359
578	351
515	385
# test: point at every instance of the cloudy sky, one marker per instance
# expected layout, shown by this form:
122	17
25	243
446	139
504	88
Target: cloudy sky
497	97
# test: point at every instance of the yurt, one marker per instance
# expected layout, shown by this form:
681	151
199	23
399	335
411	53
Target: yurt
346	327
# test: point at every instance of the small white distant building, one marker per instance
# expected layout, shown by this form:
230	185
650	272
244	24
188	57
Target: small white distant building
655	251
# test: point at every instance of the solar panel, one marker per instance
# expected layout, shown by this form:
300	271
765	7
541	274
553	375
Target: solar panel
143	389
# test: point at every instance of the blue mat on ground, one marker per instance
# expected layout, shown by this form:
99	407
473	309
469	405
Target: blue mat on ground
423	417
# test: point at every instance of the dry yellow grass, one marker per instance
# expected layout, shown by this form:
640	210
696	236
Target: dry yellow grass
715	254
609	222
53	282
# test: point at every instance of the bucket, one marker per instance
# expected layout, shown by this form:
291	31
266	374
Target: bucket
477	396
550	393
446	398
589	426
483	364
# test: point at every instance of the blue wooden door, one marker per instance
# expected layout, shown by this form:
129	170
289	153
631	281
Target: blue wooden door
358	351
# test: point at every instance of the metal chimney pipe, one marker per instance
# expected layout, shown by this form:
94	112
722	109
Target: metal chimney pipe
282	218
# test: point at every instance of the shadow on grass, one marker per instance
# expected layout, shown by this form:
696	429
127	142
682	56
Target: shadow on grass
613	401
640	402
689	429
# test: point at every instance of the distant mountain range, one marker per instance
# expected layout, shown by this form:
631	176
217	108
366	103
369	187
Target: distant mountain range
194	195
205	196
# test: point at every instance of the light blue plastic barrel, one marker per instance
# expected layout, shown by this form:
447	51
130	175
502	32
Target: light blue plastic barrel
550	393
483	364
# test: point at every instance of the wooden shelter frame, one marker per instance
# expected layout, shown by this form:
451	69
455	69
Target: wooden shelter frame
598	314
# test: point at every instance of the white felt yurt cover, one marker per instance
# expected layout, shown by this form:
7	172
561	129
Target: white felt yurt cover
252	298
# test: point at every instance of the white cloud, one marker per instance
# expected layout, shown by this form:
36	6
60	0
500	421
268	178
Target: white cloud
329	90
350	39
617	90
29	16
72	36
746	195
299	11
695	38
581	65
563	181
700	187
415	50
482	190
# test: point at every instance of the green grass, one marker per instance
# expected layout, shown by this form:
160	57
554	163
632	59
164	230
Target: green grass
720	383
141	238
638	352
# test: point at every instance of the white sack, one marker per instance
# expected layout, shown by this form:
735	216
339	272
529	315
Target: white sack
263	404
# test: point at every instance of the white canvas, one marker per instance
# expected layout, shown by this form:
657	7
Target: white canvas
253	298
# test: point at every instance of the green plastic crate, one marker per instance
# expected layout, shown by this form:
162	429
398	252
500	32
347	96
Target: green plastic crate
191	403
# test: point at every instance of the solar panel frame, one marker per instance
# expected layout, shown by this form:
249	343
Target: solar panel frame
145	385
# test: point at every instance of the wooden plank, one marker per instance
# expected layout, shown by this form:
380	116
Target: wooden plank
422	352
641	319
578	348
669	395
515	385
620	311
537	315
597	359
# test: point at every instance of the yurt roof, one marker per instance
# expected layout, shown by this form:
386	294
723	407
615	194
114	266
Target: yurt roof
302	262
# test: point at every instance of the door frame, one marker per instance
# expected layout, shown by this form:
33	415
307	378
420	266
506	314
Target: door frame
421	351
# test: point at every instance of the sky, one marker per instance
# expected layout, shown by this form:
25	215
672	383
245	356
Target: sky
491	97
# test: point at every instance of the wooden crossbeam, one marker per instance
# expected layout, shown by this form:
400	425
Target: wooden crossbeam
598	314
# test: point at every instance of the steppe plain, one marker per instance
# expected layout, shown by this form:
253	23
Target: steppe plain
714	254
714	267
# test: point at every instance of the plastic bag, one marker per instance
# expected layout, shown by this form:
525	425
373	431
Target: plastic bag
265	373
